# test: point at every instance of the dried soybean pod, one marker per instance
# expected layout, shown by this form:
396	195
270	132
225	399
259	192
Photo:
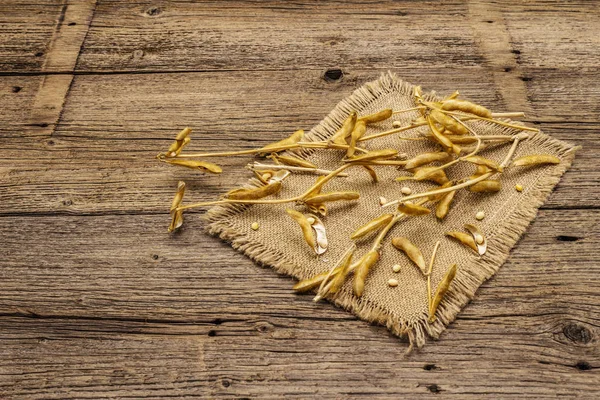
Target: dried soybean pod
294	161
307	231
426	158
340	277
412	209
185	132
438	197
292	139
480	170
384	154
535	159
196	164
448	122
184	143
442	208
431	174
311	283
462	139
466	106
480	241
332	196
178	196
177	215
441	292
255	193
412	252
478	160
372	173
464	238
346	129
372	226
359	130
446	142
486	186
377	117
360	275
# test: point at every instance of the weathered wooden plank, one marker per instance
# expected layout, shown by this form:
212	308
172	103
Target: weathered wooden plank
93	306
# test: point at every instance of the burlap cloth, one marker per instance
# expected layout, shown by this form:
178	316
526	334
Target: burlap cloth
278	242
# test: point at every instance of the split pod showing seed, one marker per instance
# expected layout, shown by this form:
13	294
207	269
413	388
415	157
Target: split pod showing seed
196	164
442	208
291	140
346	129
466	106
412	209
332	196
177	215
372	226
486	162
464	238
426	158
449	123
293	161
254	193
486	186
359	130
411	251
384	154
362	270
307	231
377	117
478	237
441	291
535	159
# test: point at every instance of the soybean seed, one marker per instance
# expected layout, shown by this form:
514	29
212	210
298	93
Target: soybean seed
310	220
254	226
406	190
393	282
480	215
396	268
518	188
382	200
396	124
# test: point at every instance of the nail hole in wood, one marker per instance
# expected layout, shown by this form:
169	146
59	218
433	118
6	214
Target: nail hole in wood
155	256
43	125
526	78
489	22
217	321
50	142
67	202
564	238
212	333
434	388
332	75
583	366
225	383
16	89
507	69
39	54
429	367
516	51
72	23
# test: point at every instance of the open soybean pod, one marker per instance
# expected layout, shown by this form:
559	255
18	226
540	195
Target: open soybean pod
441	291
426	158
377	117
307	231
255	193
448	122
294	161
411	251
291	140
446	142
535	159
320	209
467	107
372	226
478	160
204	166
345	130
339	279
486	186
359	130
177	215
413	209
442	208
332	196
375	155
362	270
464	239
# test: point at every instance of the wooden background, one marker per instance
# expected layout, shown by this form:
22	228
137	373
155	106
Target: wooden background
98	301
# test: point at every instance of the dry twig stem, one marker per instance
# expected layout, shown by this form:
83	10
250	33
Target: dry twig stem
317	171
435	249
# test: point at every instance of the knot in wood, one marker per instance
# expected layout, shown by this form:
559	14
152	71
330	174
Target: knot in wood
577	333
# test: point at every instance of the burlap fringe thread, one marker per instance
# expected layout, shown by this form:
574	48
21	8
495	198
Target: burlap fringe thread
464	286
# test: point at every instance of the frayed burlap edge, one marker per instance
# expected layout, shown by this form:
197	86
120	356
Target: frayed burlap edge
504	237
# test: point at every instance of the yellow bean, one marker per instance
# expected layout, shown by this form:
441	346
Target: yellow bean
340	277
486	186
311	283
448	122
307	231
359	130
372	226
446	142
412	209
478	160
196	164
442	208
411	251
441	291
362	271
464	238
332	196
294	161
185	132
254	193
535	159
177	215
466	106
430	174
345	130
377	117
293	139
384	154
426	158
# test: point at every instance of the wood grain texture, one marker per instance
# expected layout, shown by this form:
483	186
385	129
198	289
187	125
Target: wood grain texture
97	301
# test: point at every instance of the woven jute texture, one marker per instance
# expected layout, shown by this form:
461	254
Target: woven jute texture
278	242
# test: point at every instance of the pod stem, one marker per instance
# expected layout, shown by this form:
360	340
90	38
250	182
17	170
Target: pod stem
317	171
429	299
